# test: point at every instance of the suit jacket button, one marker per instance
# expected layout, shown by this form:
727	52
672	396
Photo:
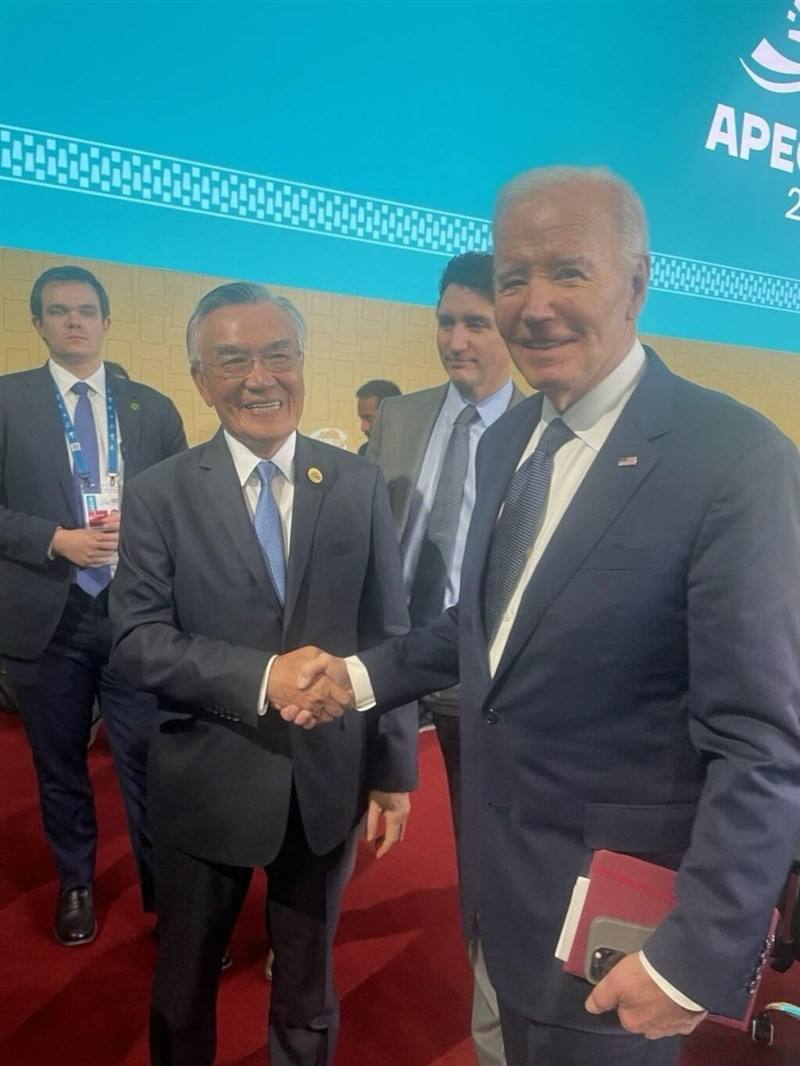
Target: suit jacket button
491	717
751	987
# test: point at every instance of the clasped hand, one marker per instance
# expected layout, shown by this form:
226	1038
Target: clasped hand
309	687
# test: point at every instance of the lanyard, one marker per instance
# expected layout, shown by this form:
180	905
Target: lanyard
78	459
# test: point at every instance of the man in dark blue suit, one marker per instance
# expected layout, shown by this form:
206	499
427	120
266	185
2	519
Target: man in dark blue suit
628	644
57	422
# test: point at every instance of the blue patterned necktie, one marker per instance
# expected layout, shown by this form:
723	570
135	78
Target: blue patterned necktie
267	522
517	526
438	545
92	579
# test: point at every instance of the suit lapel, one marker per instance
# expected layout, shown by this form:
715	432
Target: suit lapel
226	503
129	418
51	435
604	493
417	426
308	496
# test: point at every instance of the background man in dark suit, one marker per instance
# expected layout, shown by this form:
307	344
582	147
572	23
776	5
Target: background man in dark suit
54	573
628	637
207	603
369	397
425	444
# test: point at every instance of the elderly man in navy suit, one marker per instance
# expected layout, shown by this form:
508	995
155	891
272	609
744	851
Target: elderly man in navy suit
71	434
628	644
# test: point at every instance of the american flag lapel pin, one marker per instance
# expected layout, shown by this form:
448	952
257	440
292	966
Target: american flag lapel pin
628	460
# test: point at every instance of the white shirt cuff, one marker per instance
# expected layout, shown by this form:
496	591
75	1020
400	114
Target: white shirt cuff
360	683
263	702
665	986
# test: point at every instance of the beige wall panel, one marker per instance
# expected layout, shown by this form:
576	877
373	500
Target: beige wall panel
351	339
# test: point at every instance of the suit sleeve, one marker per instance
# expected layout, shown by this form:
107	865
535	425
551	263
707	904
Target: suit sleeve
24	538
743	612
392	735
149	647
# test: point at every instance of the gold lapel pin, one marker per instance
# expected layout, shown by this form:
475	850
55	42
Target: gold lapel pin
314	475
628	460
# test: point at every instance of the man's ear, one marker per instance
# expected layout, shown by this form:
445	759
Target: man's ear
639	284
199	378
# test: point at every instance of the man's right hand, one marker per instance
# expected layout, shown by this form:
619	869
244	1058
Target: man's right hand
320	699
318	668
87	547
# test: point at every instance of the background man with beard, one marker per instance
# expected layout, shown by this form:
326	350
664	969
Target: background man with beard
628	637
232	555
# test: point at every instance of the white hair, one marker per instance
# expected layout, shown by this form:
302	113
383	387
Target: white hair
240	292
630	220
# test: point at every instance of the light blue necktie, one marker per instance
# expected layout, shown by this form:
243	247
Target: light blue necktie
92	579
517	526
267	522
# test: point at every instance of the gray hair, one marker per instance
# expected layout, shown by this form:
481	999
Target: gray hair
240	292
631	221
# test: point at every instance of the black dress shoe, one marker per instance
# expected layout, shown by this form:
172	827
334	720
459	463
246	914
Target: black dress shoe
75	920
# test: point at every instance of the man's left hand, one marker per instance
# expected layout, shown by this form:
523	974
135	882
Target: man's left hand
395	808
641	1005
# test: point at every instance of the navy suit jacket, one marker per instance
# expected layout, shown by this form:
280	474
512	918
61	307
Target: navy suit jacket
196	619
37	493
647	701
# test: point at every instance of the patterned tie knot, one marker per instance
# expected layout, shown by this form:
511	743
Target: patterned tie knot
556	434
467	416
81	388
266	471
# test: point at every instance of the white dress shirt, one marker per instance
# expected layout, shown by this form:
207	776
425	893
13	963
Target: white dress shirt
64	380
246	463
591	419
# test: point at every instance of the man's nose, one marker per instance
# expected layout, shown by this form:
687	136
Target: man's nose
538	300
260	375
459	338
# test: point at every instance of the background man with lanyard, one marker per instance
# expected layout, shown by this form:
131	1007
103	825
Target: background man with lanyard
68	434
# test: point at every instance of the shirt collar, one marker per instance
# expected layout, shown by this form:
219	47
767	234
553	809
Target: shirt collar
489	408
591	417
246	461
65	379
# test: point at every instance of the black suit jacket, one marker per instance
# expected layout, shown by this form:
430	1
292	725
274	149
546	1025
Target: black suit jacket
196	621
37	493
648	698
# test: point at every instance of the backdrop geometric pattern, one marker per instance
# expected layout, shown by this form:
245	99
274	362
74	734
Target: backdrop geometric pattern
34	157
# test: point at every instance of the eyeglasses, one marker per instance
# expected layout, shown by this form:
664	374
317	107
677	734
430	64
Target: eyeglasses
240	365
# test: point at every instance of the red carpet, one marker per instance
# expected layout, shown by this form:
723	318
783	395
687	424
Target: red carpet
401	970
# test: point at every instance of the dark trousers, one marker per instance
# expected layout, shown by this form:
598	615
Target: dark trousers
55	694
197	905
448	733
528	1043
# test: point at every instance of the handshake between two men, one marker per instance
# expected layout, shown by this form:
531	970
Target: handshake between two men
310	687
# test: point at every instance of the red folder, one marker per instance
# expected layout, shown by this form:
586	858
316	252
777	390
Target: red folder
637	892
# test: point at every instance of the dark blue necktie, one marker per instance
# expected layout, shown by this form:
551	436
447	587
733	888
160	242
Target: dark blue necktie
438	545
92	579
517	526
267	522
